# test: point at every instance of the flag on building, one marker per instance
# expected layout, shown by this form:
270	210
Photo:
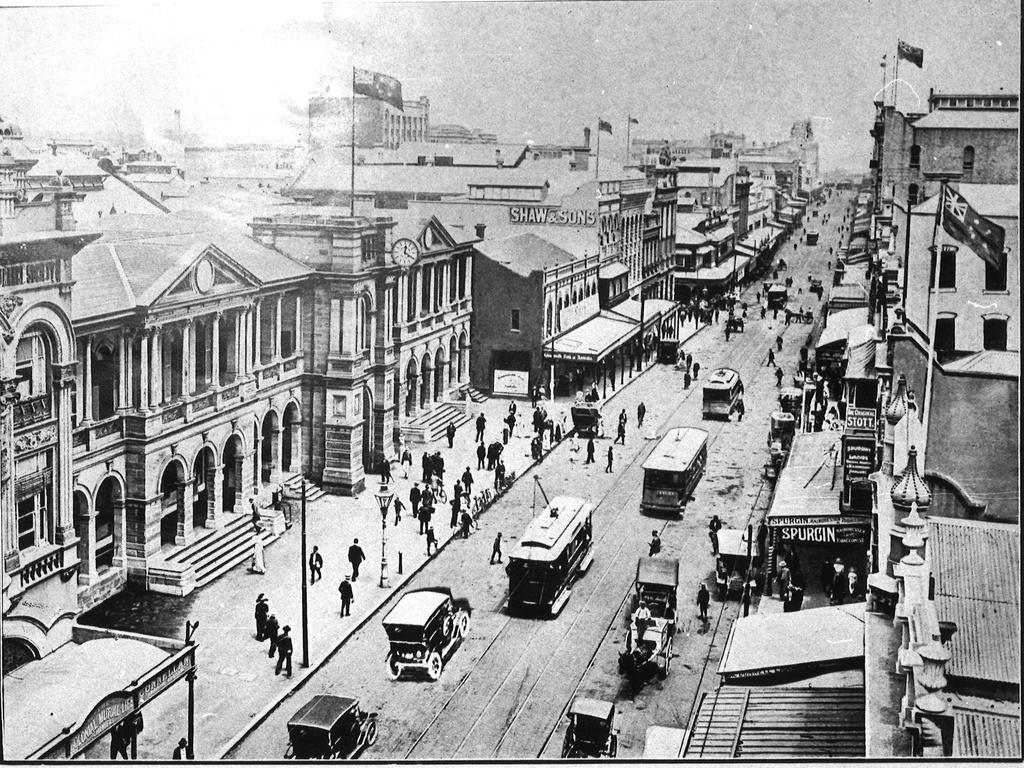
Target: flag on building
604	125
910	53
377	86
633	120
981	235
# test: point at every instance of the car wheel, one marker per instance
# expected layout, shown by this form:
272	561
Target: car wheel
613	746
462	626
434	665
448	627
371	734
394	670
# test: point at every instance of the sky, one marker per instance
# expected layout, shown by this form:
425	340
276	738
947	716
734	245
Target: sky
527	71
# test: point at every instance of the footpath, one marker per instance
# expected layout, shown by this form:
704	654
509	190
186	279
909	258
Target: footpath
236	686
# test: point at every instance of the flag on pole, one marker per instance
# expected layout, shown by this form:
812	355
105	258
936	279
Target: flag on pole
885	57
633	120
910	53
603	125
960	221
377	86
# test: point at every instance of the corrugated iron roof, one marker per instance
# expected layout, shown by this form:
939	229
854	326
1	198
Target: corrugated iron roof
735	722
976	566
978	734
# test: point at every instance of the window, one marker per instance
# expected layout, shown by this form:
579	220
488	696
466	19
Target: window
968	163
915	157
945	334
515	320
995	333
912	193
995	276
947	268
32	365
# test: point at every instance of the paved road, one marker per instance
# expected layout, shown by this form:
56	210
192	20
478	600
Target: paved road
504	692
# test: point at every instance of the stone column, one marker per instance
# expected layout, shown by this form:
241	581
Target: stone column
87	569
278	328
130	404
278	454
257	332
87	383
156	390
8	514
144	370
63	525
120	534
188	361
297	344
215	367
296	462
214	489
123	373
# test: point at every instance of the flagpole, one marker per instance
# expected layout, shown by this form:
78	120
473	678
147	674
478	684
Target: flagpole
896	80
625	164
597	162
352	159
933	296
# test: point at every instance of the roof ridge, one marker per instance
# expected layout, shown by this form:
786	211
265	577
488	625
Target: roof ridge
112	247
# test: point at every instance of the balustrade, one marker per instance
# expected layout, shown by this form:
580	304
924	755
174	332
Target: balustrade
44	564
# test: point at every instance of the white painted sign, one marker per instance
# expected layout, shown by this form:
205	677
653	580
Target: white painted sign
511	382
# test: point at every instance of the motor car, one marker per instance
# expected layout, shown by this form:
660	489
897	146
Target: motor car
423	629
330	728
591	731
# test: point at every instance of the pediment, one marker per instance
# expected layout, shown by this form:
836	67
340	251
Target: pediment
435	236
206	275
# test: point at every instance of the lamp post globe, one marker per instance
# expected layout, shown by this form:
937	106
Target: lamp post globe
383	498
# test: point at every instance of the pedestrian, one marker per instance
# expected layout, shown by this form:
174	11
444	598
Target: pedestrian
259	562
499	475
437	465
740	409
456	503
426	466
467	523
345	591
511	421
467	481
356	557
610	457
481	422
641	411
686	380
778	343
399	508
120	738
496	548
449	432
533	397
415	496
272	626
714	526
512	407
696	370
406	461
262	609
492	456
284	652
655	546
771	357
481	454
763	311
621	434
557	436
778	377
255	513
183	751
431	541
316	563
590	451
703	599
852	582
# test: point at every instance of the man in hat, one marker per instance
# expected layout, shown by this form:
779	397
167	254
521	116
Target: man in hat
345	590
496	548
655	547
262	610
703	599
355	557
284	651
316	563
183	751
415	494
641	619
272	626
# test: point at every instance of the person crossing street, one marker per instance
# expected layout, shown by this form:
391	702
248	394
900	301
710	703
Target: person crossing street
641	412
355	557
590	451
496	548
316	563
345	592
284	651
610	459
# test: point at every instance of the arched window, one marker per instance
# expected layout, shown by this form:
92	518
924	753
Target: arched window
32	364
549	321
364	329
968	174
912	193
915	157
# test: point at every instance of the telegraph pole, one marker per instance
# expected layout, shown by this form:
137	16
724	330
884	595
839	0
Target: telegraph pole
302	575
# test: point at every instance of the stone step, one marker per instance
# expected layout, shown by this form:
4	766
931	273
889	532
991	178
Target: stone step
475	395
432	426
238	552
294	486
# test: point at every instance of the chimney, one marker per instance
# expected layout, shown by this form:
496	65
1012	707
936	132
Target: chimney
480	228
63	196
586	136
498	159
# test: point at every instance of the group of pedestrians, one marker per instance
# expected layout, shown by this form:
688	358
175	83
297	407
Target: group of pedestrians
268	628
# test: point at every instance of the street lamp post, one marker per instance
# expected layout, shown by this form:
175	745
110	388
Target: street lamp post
384	497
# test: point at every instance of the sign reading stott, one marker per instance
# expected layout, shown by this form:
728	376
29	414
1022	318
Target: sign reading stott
535	214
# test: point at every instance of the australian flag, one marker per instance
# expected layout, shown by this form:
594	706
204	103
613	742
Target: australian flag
377	86
910	53
959	220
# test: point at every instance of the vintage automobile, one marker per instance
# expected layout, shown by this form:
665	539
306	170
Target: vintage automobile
668	350
732	554
330	728
657	579
586	418
791	400
591	731
734	324
423	628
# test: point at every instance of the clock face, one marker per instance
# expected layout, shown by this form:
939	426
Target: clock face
405	252
204	276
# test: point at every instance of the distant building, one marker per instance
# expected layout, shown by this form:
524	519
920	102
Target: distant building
378	123
459	134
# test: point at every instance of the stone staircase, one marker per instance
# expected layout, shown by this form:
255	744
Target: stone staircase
431	426
293	488
209	557
474	394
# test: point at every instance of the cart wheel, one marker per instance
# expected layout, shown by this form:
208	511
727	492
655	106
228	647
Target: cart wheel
462	626
434	665
371	734
394	670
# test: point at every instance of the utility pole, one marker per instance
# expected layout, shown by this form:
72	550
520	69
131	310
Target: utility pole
302	575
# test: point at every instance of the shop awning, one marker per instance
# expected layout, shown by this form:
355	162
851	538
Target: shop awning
860	352
610	271
721	234
592	340
800	644
808	488
839	326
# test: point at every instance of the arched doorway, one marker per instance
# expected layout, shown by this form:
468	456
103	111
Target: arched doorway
82	520
453	356
203	491
172	491
231	489
108	499
268	451
104	381
425	380
290	439
463	357
411	377
439	385
368	452
17	653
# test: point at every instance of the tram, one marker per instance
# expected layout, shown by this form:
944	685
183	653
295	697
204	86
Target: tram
673	470
722	389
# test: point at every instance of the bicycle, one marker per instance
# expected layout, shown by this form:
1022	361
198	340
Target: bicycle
437	488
